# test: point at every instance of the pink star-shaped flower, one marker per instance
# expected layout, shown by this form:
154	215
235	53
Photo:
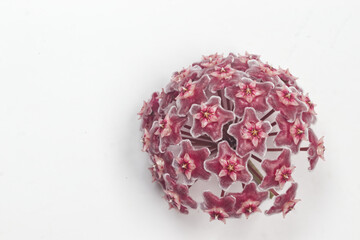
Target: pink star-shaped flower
223	72
211	60
146	140
285	100
224	76
268	69
162	164
291	133
287	97
180	78
145	110
248	207
207	114
228	166
262	71
283	175
149	112
250	133
278	171
154	146
248	90
209	118
309	116
248	93
164	129
191	162
177	195
168	129
166	100
218	208
186	91
287	77
241	62
316	149
186	165
248	201
297	131
284	203
191	93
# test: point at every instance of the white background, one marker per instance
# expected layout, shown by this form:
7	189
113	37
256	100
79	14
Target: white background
73	75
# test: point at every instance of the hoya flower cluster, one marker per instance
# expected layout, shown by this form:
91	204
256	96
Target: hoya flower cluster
238	120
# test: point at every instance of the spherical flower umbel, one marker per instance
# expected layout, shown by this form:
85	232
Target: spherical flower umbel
235	120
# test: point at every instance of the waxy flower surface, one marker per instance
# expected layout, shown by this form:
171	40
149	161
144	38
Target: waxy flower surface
223	76
235	121
309	116
285	202
262	71
211	61
240	62
149	112
191	162
168	129
297	131
218	208
223	72
228	166
248	201
207	114
191	93
162	164
177	195
182	77
250	133
146	140
316	149
209	118
278	171
289	80
285	100
291	133
249	93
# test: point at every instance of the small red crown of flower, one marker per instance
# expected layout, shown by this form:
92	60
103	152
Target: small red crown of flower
220	118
